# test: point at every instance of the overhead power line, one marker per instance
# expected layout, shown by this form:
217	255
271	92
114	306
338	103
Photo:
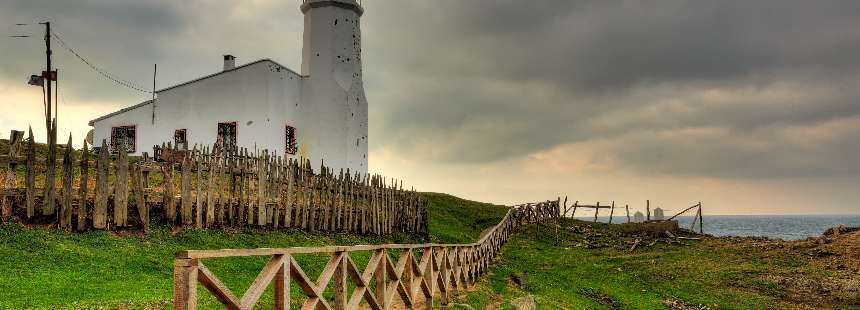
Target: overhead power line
102	72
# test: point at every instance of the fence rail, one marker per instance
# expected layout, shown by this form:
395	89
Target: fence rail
202	188
417	275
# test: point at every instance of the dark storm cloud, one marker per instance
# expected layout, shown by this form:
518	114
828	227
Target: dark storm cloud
693	88
492	80
112	34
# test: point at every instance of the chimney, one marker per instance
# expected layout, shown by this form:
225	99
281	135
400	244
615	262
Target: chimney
229	62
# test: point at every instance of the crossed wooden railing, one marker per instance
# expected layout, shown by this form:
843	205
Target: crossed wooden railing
420	272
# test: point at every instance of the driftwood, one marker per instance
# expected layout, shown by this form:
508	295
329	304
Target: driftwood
635	244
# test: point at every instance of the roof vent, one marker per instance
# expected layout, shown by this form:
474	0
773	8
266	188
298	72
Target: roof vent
229	62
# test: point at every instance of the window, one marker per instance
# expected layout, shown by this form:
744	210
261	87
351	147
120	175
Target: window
227	134
291	140
125	136
180	138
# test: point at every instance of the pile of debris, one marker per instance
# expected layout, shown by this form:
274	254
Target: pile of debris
631	237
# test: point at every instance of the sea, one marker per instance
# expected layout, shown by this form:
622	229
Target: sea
786	227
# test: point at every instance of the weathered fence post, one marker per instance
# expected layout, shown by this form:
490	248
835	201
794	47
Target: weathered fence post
611	212
68	176
120	203
30	179
83	210
49	201
185	284
102	193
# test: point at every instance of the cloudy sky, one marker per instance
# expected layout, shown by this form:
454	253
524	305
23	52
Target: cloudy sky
748	106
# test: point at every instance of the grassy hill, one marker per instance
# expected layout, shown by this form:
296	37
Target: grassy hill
41	268
575	265
590	266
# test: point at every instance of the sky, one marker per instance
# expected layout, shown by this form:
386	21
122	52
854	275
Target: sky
750	107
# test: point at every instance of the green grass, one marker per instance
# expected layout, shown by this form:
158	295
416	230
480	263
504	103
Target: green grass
48	269
576	277
456	220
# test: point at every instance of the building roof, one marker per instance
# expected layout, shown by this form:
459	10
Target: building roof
123	110
189	82
225	71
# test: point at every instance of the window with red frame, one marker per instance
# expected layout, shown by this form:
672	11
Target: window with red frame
180	138
292	146
125	136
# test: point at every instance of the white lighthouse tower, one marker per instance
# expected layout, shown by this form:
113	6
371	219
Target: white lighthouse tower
332	92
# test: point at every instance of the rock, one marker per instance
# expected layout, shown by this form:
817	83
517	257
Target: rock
520	279
524	303
459	306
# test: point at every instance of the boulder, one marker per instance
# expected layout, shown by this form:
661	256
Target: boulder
524	303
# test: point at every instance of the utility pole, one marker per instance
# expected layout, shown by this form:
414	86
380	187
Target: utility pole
154	73
51	124
49	73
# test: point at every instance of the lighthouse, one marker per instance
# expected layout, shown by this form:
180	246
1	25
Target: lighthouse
332	89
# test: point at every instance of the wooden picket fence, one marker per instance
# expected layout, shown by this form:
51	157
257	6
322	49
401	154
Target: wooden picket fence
419	273
200	188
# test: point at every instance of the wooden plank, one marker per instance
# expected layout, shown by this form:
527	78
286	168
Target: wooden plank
627	209
252	295
120	203
139	182
262	163
185	192
281	290
648	210
30	179
198	193
102	191
83	210
68	176
169	193
49	199
214	163
611	212
216	287
289	203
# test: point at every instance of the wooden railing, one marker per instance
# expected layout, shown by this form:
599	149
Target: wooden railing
419	273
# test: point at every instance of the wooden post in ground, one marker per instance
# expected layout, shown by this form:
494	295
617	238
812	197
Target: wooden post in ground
187	217
68	176
198	209
82	188
169	195
102	191
49	202
695	217
565	207
10	180
120	202
611	212
575	204
701	229
30	179
185	284
627	208
648	210
138	181
596	210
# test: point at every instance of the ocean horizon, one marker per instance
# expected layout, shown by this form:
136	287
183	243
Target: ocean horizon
786	227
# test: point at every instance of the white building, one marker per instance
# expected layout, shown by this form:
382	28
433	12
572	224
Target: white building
320	114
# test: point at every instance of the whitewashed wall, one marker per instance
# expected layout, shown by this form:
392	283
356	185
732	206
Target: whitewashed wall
336	108
261	98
